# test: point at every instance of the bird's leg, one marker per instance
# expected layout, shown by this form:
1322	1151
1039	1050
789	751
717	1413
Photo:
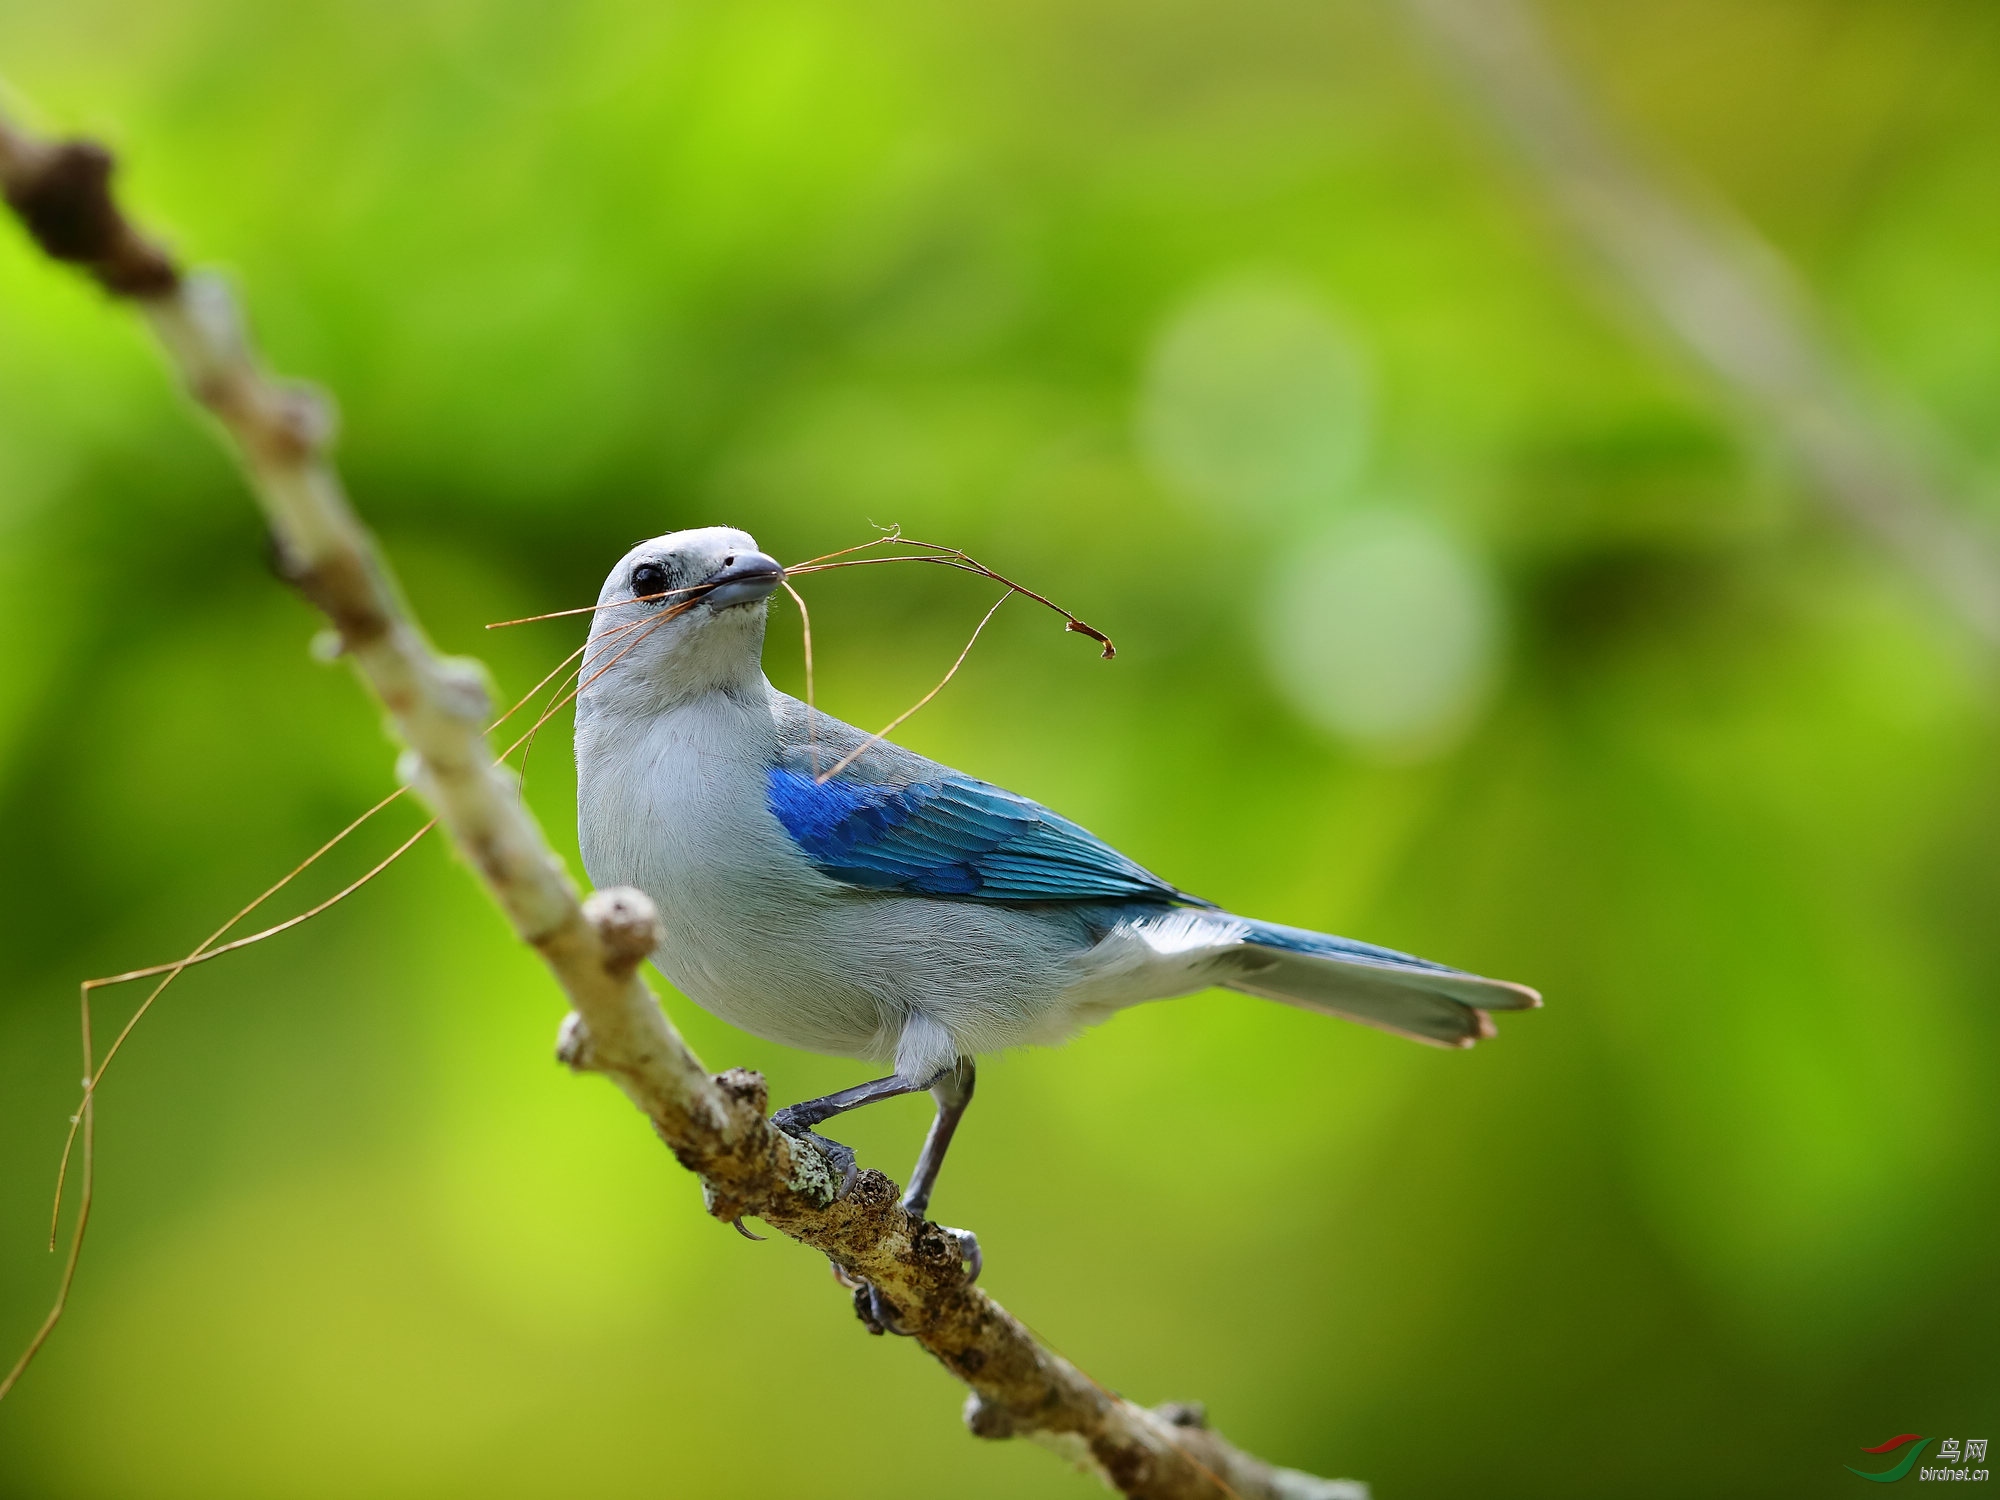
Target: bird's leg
811	1112
798	1119
952	1088
953	1092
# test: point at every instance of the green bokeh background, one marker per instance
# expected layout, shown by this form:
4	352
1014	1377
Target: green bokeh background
1717	1217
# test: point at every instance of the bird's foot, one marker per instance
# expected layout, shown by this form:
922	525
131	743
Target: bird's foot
876	1312
839	1159
968	1250
963	1241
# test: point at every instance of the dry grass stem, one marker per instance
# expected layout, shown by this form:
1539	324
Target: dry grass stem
876	738
806	645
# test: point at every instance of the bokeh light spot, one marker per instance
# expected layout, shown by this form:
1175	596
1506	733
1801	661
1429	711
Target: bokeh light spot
1254	397
1386	632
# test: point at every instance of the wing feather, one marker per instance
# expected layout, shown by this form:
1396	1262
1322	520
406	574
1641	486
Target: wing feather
950	835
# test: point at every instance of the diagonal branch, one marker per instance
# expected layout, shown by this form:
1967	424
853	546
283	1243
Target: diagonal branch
1725	297
715	1125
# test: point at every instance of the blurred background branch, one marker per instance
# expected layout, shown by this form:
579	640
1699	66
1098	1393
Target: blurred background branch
715	1126
1724	296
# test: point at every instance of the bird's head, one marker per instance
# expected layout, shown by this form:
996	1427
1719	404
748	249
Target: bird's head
681	615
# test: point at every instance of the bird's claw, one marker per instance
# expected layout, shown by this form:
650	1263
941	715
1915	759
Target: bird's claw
964	1241
876	1312
968	1250
839	1158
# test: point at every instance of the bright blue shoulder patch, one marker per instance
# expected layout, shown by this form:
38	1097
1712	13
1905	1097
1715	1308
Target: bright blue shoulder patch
953	837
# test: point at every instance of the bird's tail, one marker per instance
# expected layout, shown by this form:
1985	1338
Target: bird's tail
1376	986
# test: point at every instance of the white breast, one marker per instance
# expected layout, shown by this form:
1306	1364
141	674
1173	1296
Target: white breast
675	803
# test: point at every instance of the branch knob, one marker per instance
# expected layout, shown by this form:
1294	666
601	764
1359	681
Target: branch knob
626	924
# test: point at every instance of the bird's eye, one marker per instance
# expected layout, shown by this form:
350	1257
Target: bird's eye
729	562
647	579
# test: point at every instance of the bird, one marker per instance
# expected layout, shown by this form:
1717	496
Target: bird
829	890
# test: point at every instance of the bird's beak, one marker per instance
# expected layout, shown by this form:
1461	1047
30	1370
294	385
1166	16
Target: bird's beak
750	578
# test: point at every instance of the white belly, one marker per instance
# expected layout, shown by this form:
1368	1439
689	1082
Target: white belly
753	934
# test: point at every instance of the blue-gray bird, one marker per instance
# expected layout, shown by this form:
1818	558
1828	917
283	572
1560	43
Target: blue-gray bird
897	911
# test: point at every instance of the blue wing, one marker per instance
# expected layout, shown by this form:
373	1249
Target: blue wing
953	836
